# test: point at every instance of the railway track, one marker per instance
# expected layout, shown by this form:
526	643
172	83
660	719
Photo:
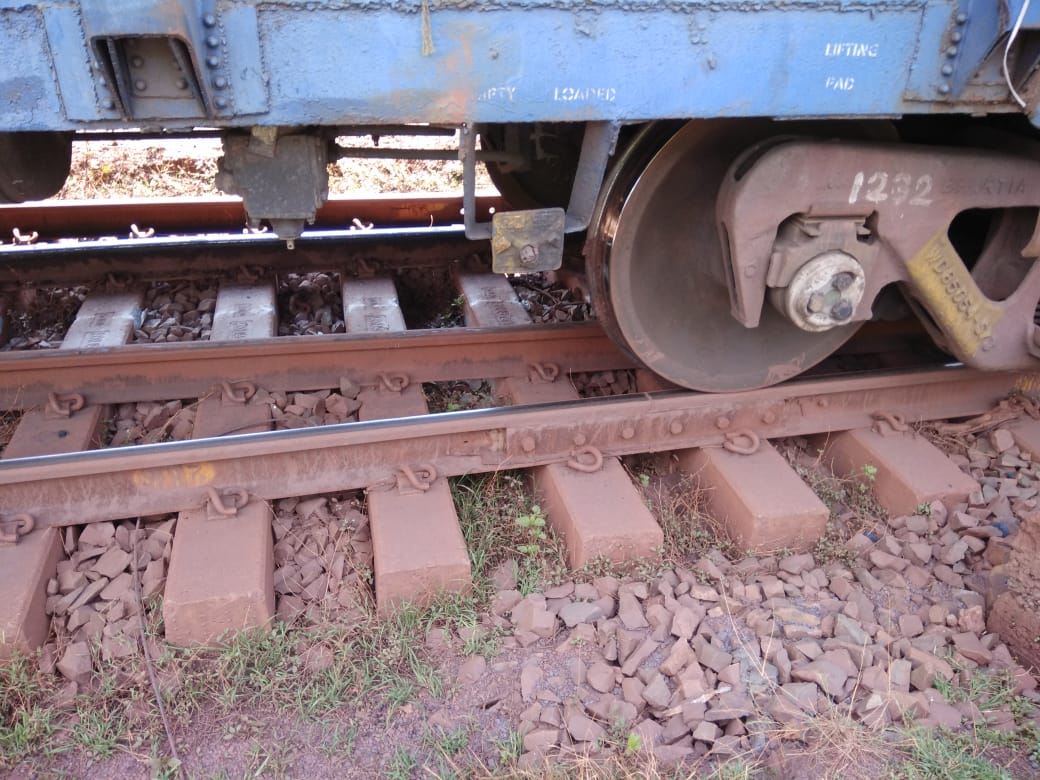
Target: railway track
280	417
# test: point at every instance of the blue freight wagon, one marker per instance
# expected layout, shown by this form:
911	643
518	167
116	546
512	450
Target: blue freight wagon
757	178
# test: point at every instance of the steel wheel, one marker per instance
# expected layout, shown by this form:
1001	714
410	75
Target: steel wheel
656	266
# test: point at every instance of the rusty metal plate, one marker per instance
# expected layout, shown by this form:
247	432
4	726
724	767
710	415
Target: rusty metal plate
524	242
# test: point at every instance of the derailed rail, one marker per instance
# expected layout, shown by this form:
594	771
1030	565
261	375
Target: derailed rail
151	479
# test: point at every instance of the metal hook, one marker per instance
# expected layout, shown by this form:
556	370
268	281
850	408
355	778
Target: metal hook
239	392
894	421
543	372
136	232
413	478
23	524
65	404
395	383
22	239
239	499
589	451
733	442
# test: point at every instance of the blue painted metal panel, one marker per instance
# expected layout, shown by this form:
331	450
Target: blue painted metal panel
78	87
291	62
28	92
245	71
551	64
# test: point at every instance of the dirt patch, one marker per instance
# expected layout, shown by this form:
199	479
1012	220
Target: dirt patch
150	169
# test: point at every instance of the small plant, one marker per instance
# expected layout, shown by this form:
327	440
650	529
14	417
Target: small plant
633	744
264	761
510	749
340	742
533	524
448	743
402	764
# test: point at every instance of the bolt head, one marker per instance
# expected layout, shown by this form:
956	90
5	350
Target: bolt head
842	281
220	82
220	102
136	61
212	61
528	256
209	20
841	311
140	85
212	41
815	303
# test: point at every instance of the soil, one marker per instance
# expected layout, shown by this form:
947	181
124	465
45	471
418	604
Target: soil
174	167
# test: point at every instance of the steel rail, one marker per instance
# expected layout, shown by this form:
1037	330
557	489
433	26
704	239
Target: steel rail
152	372
55	219
208	255
152	479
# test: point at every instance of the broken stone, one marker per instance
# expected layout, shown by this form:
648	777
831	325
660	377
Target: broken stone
829	676
472	670
797	564
97	534
75	663
580	726
630	612
113	562
580	612
529	678
601	677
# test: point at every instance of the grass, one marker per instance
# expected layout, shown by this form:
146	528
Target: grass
680	506
980	752
381	669
941	755
381	661
498	517
457	396
853	507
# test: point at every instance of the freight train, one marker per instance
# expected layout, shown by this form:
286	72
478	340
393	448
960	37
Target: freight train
756	179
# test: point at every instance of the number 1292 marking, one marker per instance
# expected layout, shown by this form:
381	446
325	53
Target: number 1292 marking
900	188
